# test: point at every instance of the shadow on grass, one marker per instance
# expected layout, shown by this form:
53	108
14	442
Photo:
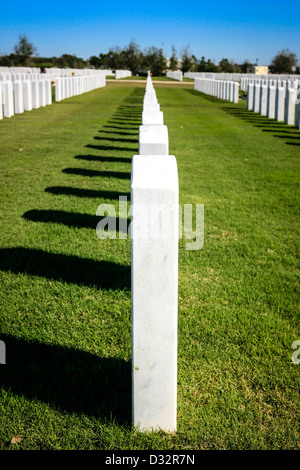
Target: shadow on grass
68	379
203	95
65	268
117	139
120	127
75	219
95	158
265	124
90	193
281	130
93	173
118	132
111	148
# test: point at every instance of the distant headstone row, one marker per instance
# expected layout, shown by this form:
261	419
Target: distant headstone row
154	264
238	76
122	74
276	102
175	75
287	83
222	89
72	86
52	72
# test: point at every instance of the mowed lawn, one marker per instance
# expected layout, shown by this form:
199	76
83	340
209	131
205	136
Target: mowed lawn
65	295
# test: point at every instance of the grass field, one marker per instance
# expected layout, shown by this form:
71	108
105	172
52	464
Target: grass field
65	295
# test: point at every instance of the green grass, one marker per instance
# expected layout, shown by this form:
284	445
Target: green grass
65	295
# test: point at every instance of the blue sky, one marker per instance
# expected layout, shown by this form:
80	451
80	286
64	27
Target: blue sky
237	30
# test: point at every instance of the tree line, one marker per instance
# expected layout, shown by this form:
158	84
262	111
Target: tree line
131	57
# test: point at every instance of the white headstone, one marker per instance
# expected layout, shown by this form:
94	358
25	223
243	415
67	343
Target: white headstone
48	92
154	189
280	104
8	99
298	115
58	89
42	92
1	101
263	100
153	118
257	92
27	95
153	140
153	107
235	92
271	102
290	104
35	94
250	97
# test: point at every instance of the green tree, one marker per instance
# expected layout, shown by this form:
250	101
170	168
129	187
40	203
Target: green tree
24	50
173	60
283	62
186	60
155	61
71	61
132	57
245	65
112	60
95	61
225	66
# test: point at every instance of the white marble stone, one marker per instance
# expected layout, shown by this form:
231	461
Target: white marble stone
280	104
271	102
263	100
231	91
58	89
149	100
154	277
298	115
257	92
27	95
235	92
18	97
155	118
49	92
35	94
175	75
42	92
250	97
8	99
1	101
153	140
290	103
153	107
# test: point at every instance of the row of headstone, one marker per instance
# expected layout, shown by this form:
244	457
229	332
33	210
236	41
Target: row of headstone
222	89
274	102
65	87
19	96
24	95
122	74
53	71
24	77
288	83
238	76
175	75
154	264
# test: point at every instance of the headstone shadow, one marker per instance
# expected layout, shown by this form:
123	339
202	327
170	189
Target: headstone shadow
70	269
67	379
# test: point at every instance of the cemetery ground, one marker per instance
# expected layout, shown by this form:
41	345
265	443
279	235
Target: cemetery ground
65	294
